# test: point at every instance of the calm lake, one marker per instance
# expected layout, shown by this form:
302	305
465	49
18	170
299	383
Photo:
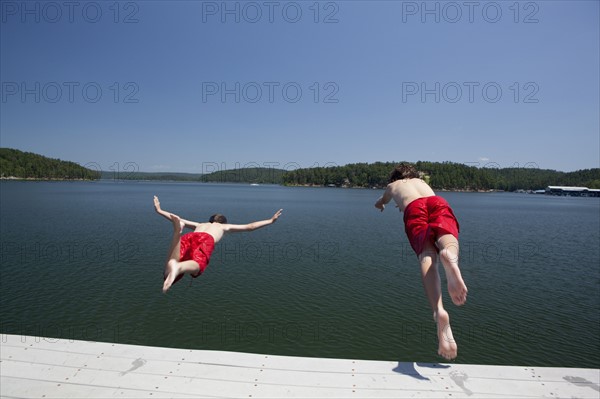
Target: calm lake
333	277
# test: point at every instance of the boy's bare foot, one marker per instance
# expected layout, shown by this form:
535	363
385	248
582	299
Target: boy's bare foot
178	225
456	286
171	272
447	345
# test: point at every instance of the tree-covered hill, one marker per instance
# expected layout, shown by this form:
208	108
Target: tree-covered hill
440	175
242	175
444	176
27	165
246	175
159	176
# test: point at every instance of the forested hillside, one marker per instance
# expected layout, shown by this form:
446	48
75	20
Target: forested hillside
27	165
444	175
246	175
440	175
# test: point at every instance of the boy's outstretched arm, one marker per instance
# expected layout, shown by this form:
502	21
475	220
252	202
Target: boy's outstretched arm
252	226
158	209
384	199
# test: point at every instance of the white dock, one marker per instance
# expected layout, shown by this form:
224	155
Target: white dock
35	367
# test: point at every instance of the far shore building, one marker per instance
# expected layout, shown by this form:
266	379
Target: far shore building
572	191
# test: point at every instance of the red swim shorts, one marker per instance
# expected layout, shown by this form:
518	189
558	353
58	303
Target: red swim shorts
197	247
427	219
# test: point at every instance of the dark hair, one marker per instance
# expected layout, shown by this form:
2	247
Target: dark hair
403	171
218	218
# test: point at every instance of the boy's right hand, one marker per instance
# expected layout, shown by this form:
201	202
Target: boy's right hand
156	204
379	204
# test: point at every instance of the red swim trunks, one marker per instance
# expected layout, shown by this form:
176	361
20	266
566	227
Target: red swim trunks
427	219
197	247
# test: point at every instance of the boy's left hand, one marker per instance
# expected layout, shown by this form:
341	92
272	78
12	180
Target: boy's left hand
276	215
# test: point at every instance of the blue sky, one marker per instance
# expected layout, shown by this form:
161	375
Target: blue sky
193	86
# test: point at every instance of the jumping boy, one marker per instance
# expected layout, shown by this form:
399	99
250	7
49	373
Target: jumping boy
190	253
432	230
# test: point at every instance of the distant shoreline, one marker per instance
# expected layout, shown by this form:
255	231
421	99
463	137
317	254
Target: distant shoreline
14	178
519	191
435	189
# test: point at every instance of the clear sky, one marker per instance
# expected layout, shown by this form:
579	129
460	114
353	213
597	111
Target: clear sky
197	86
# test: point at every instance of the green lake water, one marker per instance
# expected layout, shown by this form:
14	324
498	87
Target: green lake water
333	277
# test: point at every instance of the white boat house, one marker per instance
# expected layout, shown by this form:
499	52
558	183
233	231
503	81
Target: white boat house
572	191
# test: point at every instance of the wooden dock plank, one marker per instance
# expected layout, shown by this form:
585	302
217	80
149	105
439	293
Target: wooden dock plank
35	367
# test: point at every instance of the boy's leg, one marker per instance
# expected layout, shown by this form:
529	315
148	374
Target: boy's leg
448	245
175	245
447	347
174	267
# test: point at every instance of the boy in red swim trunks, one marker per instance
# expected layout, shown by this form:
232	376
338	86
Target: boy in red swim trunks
190	253
432	230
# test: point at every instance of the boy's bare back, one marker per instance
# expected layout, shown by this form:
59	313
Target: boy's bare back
214	229
403	192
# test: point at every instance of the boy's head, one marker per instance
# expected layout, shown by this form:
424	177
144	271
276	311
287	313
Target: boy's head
218	218
403	171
